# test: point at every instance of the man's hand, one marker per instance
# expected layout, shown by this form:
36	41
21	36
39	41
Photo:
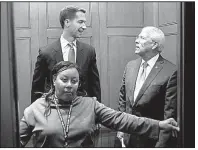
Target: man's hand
169	125
120	135
98	126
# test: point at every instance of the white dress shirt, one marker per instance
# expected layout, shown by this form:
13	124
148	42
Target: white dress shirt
65	48
150	63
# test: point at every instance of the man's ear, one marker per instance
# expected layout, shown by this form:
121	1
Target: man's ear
67	22
155	45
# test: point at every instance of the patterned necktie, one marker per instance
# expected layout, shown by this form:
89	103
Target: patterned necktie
141	79
143	74
71	55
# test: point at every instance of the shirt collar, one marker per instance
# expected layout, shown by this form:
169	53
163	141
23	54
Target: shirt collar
151	62
64	42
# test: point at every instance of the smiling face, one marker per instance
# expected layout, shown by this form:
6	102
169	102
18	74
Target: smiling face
66	84
77	25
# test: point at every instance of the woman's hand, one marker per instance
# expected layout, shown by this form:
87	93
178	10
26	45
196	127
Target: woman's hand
169	125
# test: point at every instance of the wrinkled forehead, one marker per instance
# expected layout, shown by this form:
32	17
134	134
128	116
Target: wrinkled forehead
144	33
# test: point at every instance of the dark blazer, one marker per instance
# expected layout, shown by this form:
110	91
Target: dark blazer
157	99
52	54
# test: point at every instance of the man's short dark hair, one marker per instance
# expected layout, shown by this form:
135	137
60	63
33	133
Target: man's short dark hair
69	13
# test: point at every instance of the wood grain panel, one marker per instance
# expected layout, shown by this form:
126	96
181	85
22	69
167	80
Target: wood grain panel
23	72
22	33
34	17
55	7
125	14
42	24
170	48
103	53
148	14
124	31
120	51
22	14
170	29
167	13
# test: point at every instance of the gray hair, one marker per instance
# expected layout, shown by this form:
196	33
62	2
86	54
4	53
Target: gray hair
156	35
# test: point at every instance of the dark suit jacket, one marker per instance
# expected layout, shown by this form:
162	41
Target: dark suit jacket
157	99
52	54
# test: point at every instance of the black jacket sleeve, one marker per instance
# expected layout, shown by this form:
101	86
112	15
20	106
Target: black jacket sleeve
94	80
122	95
170	111
40	74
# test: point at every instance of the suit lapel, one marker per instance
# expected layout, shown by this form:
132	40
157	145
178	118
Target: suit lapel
58	55
79	53
133	76
155	70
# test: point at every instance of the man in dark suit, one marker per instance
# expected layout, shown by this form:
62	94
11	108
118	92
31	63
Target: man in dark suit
72	20
149	88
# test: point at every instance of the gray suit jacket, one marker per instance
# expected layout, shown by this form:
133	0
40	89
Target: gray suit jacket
157	99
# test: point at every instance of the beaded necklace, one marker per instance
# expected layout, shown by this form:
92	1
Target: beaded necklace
65	127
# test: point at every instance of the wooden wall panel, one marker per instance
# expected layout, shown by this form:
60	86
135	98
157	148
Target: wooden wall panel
23	57
27	46
125	14
170	48
169	29
167	22
22	17
34	17
167	13
120	52
149	14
